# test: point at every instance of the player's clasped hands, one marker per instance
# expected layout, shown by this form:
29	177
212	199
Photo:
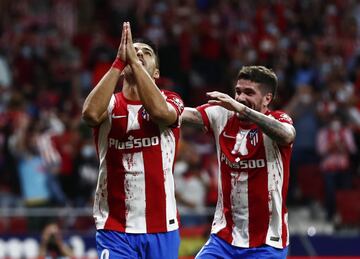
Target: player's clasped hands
126	50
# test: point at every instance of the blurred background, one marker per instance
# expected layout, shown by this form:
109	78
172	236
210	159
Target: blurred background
52	52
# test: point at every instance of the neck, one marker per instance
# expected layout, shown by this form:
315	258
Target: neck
130	91
243	119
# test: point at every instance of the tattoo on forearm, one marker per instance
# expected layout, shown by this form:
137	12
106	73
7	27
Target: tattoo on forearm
271	127
192	117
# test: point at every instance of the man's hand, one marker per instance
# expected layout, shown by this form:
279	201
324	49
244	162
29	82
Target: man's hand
121	54
49	231
225	101
131	56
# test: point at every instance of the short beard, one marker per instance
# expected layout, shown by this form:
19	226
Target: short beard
128	75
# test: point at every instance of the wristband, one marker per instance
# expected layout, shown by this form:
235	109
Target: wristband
118	64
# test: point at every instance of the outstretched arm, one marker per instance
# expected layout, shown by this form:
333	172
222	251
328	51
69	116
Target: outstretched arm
280	132
192	117
153	101
95	106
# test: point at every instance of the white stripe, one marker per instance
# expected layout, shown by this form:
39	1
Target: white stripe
111	104
218	117
134	186
133	122
275	182
219	221
47	150
101	206
240	209
168	156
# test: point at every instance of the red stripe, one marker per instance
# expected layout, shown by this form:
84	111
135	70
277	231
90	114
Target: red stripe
116	192
226	233
155	210
258	199
285	155
176	132
116	173
204	116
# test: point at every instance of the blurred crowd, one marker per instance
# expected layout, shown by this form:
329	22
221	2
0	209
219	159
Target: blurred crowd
52	52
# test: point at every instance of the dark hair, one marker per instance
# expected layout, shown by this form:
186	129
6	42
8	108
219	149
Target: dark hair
152	45
262	75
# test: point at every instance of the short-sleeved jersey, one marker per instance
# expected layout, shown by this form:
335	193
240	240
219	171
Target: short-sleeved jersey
253	183
135	189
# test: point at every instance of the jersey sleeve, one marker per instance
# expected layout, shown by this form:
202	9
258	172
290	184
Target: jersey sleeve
175	101
111	104
214	116
205	115
282	117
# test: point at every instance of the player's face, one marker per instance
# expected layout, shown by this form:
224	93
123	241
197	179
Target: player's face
148	58
249	94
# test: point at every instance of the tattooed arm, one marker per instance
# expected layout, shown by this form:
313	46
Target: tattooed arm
282	133
192	117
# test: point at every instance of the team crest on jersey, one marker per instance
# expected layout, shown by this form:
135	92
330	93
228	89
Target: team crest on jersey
145	115
254	137
178	103
286	117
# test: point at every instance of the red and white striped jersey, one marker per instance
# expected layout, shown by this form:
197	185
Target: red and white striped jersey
135	189
253	183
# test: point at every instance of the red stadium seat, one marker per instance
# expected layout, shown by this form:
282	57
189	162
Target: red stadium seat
195	230
18	225
311	182
3	225
84	223
348	206
356	182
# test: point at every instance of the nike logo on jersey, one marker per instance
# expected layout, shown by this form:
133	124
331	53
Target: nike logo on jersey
118	116
228	136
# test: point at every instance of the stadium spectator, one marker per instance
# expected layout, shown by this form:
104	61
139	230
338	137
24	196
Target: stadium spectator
38	160
86	173
52	244
51	54
302	110
191	186
136	132
336	145
254	148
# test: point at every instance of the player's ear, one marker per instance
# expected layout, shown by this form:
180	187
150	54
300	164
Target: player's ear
267	99
156	73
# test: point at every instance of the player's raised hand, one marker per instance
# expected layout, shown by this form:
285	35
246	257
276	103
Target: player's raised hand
131	56
121	54
225	101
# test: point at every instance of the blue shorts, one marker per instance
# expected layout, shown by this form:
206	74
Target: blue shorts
218	248
113	244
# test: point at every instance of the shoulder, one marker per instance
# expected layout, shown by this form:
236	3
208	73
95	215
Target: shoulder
174	99
168	93
215	110
280	116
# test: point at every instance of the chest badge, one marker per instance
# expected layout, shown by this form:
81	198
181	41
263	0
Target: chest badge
145	115
254	137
